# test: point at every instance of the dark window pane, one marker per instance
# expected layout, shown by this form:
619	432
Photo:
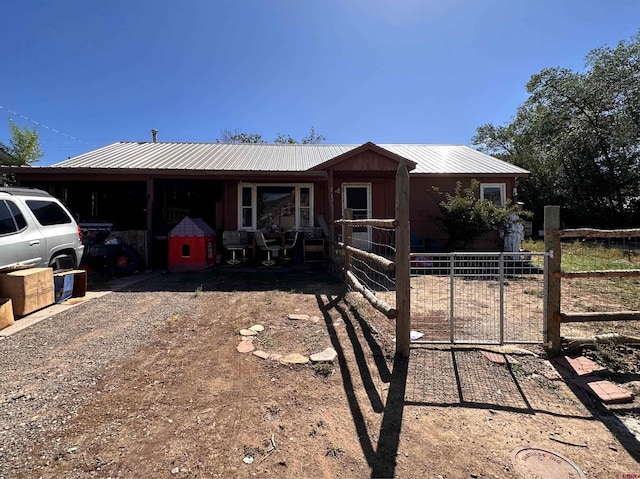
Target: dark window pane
493	194
304	197
357	198
246	218
17	215
246	196
7	224
48	213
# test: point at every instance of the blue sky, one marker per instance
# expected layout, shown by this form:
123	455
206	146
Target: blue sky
388	71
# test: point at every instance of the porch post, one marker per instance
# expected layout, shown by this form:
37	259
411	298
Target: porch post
150	201
332	237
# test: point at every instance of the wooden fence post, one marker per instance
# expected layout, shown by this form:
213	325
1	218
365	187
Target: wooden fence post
552	280
403	273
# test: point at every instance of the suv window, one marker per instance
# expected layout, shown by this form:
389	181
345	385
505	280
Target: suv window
11	219
48	213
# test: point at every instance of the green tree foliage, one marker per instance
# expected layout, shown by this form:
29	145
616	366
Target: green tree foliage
467	218
23	149
579	135
283	139
313	138
236	136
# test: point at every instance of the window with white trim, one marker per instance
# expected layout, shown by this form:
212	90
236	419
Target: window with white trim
286	206
494	192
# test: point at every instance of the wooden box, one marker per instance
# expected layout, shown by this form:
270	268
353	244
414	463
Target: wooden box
29	289
6	313
79	283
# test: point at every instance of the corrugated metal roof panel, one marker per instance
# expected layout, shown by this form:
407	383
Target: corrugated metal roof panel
435	159
452	159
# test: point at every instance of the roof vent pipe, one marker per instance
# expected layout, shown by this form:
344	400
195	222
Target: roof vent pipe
154	133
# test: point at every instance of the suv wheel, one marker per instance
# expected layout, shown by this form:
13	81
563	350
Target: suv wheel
62	261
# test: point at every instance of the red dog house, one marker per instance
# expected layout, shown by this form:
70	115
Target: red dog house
192	245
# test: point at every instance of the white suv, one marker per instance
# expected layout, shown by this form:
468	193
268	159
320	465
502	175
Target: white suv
37	230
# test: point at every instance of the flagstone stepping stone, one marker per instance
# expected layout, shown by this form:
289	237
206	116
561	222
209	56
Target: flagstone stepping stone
248	332
511	360
247	338
328	355
261	354
258	328
604	390
245	347
294	358
577	365
494	357
298	317
265	355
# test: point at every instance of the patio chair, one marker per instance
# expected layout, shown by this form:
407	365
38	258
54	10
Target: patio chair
269	248
231	242
289	243
244	241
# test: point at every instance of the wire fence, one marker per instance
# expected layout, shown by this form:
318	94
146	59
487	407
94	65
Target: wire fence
380	242
471	298
480	298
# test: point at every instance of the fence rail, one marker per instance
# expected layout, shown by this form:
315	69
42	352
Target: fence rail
394	270
554	316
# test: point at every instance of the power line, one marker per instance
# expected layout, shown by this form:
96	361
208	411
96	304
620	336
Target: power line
47	127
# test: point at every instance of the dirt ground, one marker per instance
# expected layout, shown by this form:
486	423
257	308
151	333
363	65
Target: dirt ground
187	404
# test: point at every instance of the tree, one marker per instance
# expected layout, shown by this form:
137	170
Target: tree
283	139
236	136
227	136
579	135
467	218
313	138
23	149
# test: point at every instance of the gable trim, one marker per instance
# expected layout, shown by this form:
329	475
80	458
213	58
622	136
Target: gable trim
368	146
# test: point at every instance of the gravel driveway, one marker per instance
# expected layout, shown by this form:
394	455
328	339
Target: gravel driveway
46	367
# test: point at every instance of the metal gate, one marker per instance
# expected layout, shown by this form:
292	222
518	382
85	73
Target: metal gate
477	298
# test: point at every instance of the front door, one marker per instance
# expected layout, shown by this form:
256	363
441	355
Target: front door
357	196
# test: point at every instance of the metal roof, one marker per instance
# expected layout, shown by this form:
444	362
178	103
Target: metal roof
429	159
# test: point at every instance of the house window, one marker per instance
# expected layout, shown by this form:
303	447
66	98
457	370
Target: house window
494	192
286	206
247	202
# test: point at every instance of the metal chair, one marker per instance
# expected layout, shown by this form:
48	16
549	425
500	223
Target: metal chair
269	248
231	242
289	243
245	243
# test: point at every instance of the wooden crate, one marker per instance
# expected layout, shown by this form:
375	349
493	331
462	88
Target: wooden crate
6	313
29	289
79	283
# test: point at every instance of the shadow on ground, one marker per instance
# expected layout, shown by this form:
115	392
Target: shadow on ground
444	376
300	279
